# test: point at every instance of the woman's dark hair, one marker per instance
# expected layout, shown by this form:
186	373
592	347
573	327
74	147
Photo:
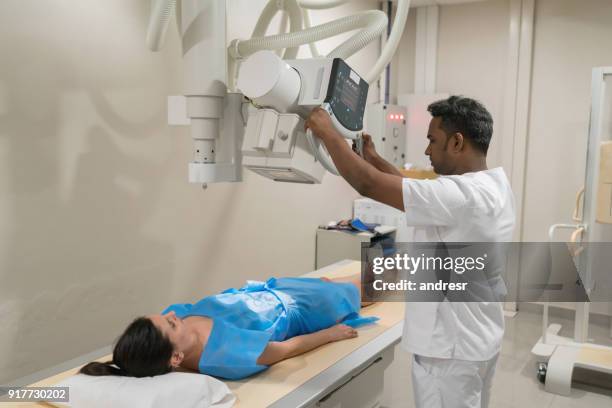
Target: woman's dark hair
141	351
467	116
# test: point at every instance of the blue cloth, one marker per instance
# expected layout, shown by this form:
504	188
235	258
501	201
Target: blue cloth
359	225
246	319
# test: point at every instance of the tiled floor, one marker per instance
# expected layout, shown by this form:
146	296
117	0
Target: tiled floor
515	384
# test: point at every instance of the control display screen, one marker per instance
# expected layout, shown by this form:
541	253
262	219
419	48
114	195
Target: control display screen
347	95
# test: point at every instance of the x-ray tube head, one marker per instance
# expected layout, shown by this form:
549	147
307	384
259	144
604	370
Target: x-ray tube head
298	86
283	94
270	82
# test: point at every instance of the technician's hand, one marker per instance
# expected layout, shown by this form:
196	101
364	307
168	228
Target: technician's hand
340	332
321	125
369	151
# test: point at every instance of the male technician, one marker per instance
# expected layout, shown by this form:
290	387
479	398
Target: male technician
455	344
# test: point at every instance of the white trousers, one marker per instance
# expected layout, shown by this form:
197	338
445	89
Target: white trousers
450	383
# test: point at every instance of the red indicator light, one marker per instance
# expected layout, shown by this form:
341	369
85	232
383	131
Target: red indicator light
401	117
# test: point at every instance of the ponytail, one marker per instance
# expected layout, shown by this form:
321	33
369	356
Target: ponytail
98	369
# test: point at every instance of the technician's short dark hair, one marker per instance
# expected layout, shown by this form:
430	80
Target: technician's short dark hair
466	116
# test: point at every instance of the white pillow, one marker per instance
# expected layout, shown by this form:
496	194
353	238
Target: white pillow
176	390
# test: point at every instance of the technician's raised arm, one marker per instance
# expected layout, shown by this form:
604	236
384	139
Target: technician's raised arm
363	176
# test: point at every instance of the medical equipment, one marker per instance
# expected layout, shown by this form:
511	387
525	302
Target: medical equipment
563	354
372	211
285	92
387	126
342	374
214	107
334	245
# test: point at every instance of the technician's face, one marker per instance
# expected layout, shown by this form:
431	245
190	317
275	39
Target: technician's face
173	328
438	148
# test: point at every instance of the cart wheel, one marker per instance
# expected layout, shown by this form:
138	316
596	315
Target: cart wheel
542	367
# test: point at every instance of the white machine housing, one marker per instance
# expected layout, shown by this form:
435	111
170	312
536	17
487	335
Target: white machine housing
212	63
212	113
275	147
387	126
283	94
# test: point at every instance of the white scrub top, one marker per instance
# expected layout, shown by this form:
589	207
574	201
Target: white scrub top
473	207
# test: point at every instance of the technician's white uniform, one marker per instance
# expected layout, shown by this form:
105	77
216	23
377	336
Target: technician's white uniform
456	345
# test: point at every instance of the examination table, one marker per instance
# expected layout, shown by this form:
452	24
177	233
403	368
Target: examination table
347	373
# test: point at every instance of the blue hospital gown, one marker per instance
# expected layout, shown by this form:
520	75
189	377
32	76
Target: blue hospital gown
246	319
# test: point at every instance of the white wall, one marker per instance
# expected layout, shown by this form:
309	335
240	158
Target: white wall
472	51
97	221
471	58
402	68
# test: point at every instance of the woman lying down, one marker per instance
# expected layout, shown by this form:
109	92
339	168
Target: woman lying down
239	332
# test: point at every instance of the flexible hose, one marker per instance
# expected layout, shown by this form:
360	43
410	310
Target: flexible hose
359	40
296	24
314	51
282	28
399	23
320	4
161	13
365	19
265	18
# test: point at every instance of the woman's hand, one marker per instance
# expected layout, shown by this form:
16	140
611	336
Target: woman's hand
340	332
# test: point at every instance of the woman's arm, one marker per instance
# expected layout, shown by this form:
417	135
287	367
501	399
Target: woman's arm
277	351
